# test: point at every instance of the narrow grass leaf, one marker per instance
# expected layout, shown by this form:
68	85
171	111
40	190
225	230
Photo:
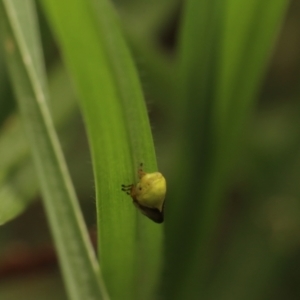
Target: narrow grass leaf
24	57
225	48
18	183
120	139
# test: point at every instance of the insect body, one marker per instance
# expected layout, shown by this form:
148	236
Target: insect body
148	194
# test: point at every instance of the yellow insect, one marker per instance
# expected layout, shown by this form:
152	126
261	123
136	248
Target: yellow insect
148	194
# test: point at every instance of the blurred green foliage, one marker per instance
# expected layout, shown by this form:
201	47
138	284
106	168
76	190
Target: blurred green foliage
223	101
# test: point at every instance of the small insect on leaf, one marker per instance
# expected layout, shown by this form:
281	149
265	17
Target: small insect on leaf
148	194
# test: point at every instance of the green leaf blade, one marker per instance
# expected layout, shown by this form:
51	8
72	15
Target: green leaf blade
120	139
225	47
79	267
